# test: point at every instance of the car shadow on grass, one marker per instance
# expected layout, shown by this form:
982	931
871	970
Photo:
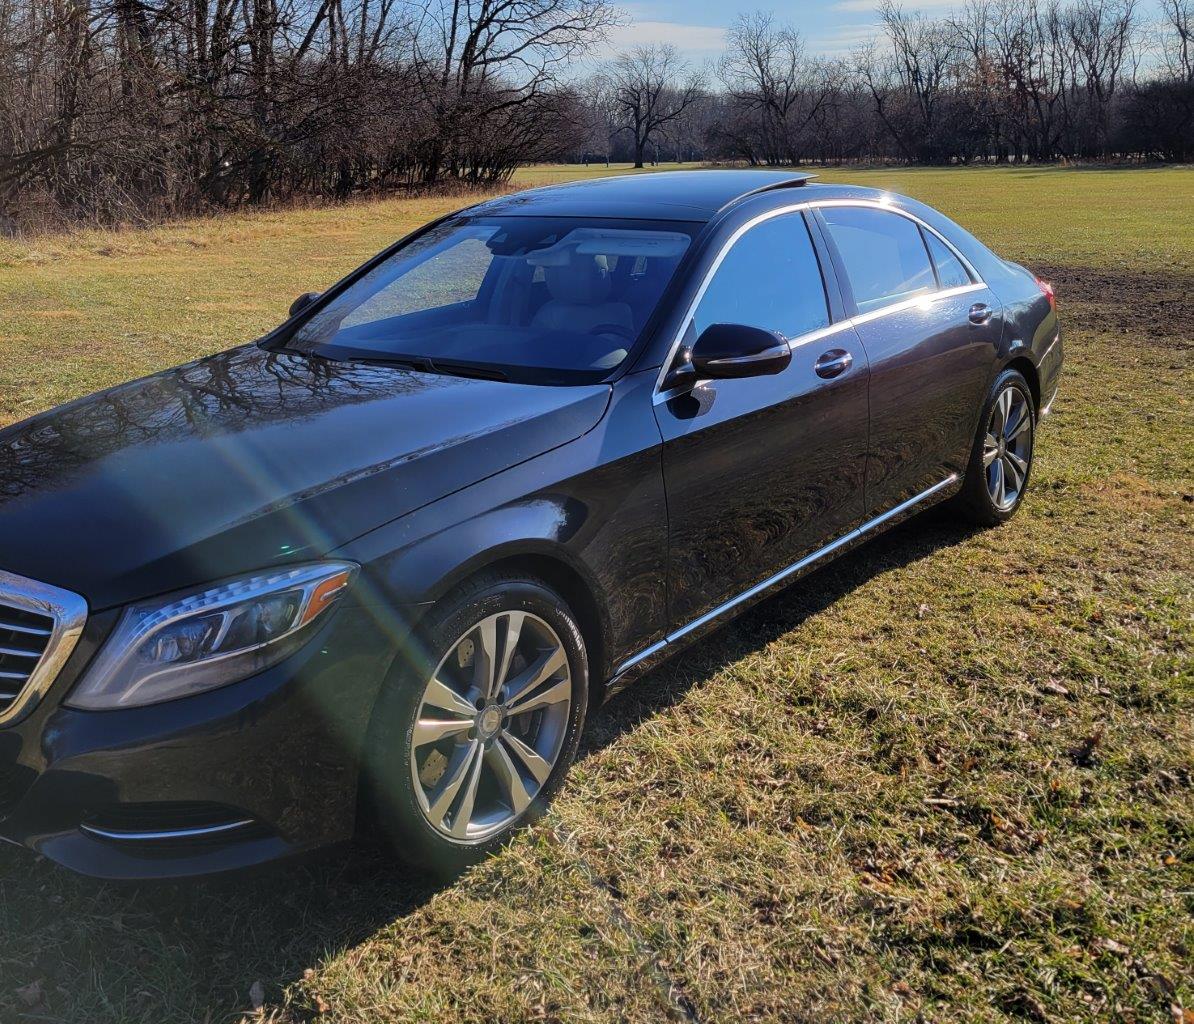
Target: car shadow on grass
766	622
197	950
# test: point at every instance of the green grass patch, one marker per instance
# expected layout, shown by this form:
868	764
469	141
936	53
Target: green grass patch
945	778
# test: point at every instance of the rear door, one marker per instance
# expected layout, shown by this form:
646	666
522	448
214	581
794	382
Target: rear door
931	330
760	471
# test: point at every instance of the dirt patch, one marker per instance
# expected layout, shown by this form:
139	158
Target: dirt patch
1156	308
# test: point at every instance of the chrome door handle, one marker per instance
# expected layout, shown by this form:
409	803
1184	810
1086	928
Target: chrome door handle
833	363
980	313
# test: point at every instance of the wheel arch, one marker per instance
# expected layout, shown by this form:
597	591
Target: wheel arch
1027	369
544	560
555	567
551	562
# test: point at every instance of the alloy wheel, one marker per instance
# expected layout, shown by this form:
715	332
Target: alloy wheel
491	725
1007	448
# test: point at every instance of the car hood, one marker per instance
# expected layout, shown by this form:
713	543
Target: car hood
250	458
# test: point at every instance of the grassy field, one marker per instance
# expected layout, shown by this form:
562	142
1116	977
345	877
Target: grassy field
947	778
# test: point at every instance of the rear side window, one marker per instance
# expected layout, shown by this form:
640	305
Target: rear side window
771	279
885	257
950	271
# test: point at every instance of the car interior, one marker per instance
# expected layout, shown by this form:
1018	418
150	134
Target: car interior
578	304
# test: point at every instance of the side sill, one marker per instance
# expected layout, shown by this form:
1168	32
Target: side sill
617	682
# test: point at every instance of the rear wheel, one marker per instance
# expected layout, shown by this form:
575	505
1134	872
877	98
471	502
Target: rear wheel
477	738
1001	460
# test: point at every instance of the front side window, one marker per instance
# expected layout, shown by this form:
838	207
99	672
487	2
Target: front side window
885	257
770	278
548	300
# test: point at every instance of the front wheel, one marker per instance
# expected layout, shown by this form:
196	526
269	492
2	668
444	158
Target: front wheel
475	738
1001	460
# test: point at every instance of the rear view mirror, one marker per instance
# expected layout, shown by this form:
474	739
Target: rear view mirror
302	302
725	351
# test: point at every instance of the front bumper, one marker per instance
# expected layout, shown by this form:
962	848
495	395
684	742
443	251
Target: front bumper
258	770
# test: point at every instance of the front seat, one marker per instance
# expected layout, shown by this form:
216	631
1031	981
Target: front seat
579	302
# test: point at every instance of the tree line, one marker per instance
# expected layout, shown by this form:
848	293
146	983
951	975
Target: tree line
114	110
993	81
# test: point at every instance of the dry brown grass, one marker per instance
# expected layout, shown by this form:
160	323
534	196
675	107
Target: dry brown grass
946	778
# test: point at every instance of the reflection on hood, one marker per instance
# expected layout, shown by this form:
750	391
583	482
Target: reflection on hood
247	458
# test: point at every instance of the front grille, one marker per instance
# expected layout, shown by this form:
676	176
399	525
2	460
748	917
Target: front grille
24	637
39	627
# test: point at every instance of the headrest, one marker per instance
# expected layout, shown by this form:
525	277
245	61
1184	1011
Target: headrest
582	282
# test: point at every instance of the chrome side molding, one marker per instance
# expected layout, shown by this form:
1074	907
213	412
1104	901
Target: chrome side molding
178	833
783	574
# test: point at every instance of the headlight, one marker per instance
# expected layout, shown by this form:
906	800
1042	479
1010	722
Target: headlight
200	639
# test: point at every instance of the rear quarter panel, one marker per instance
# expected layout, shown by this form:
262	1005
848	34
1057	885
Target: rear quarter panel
1031	328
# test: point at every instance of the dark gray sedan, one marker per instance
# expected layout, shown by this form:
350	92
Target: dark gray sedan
381	564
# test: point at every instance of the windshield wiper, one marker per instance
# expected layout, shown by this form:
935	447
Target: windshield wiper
424	364
462	369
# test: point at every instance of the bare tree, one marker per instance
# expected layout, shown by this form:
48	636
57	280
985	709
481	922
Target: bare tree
652	88
774	87
480	58
127	110
1100	35
1177	38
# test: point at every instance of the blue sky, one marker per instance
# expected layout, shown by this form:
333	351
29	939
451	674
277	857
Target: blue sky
697	27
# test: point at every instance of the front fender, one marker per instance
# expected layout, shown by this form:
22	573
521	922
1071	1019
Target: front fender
591	515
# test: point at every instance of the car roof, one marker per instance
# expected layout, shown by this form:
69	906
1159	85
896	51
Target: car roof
662	195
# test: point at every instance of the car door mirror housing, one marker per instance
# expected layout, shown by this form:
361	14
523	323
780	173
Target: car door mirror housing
302	302
726	351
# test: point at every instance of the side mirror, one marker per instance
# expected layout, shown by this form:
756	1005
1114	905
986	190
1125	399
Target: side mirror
725	351
302	302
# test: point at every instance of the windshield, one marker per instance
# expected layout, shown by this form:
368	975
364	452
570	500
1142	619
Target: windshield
536	299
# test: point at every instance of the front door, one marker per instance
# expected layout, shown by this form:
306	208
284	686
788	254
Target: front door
762	470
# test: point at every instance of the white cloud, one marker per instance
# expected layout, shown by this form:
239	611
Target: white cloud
689	39
870	6
843	40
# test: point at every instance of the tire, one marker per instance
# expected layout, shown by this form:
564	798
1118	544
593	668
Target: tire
994	458
510	758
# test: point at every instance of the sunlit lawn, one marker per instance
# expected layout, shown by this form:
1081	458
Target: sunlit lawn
949	775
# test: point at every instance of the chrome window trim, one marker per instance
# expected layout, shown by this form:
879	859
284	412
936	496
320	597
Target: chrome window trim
923	299
889	207
783	574
977	284
660	394
69	613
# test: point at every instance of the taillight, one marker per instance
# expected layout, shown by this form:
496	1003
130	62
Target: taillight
1047	290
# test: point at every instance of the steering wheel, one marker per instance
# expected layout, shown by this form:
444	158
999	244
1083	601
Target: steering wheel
617	330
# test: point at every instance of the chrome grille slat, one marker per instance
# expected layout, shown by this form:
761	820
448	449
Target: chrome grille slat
18	627
41	625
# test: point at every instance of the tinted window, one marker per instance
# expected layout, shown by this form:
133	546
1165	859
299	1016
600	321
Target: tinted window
884	255
452	275
950	271
537	299
770	278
